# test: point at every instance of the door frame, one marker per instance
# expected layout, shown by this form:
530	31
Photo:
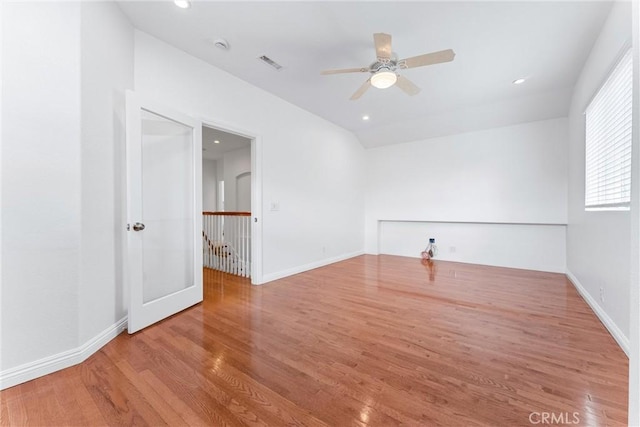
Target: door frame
256	192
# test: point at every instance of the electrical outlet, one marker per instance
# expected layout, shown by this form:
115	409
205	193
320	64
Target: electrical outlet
452	249
601	294
275	206
324	250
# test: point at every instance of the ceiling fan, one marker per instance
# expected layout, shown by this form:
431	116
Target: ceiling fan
383	70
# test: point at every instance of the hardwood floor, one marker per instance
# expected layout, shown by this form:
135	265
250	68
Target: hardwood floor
374	340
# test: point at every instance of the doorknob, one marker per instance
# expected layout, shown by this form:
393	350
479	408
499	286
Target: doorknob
138	226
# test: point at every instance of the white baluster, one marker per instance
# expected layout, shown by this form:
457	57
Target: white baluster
244	247
226	241
236	255
247	225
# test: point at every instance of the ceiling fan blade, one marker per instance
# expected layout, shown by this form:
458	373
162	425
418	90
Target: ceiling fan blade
345	70
407	86
383	45
361	90
427	59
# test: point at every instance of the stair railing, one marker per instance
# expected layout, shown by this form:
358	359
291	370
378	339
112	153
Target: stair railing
226	242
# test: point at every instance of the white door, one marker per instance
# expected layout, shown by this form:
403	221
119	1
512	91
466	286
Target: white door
164	212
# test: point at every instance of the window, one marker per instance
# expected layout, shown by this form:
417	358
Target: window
608	141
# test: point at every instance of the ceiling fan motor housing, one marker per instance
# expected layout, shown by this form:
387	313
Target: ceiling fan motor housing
390	64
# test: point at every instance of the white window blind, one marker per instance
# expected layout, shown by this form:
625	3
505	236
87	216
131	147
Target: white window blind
608	140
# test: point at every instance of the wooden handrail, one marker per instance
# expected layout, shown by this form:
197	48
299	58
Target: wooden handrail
227	213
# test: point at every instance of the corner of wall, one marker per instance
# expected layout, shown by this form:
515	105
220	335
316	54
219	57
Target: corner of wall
616	333
302	268
603	236
48	365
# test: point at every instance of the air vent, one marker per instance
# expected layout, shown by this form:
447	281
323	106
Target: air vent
270	62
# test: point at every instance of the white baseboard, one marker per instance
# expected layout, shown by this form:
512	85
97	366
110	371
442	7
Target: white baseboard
613	329
302	268
48	365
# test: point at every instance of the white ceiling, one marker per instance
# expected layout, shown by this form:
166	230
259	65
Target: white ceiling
227	142
495	43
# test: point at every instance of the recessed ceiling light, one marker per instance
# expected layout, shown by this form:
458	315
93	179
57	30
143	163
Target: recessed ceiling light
365	117
183	4
216	142
518	81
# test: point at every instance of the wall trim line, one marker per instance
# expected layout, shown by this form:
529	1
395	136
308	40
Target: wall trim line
607	321
306	267
48	365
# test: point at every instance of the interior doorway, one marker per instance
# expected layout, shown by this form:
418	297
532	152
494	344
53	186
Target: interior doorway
226	162
228	191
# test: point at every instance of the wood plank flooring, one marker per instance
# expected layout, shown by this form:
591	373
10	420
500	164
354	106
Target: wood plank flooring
371	341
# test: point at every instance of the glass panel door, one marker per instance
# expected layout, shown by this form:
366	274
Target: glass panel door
164	212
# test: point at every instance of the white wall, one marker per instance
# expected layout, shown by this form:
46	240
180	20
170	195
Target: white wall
598	243
209	186
529	246
64	68
243	192
236	163
228	168
508	175
41	199
107	70
320	220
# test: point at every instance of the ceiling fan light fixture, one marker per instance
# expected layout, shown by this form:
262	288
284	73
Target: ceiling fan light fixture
384	79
